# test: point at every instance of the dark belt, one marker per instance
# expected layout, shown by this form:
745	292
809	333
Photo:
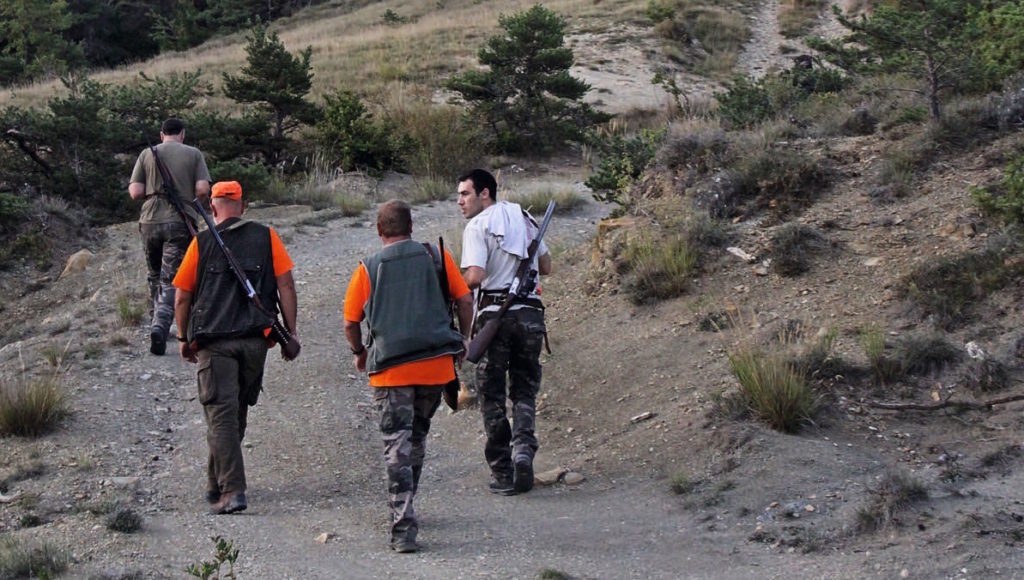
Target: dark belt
498	299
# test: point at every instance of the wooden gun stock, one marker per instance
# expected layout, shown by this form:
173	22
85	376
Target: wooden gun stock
478	346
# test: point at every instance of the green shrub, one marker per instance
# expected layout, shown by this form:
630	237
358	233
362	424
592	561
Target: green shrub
224	553
780	180
660	269
392	18
774	388
883	369
36	560
254	177
351	138
1007	201
745	103
440	142
682	484
622	161
701	150
12	209
31	407
658	11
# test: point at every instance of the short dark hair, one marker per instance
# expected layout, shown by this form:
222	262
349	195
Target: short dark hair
394	218
482	179
172	126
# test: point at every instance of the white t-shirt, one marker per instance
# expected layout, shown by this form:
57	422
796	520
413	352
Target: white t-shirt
482	249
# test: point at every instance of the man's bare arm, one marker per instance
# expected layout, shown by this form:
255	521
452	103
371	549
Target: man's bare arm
464	311
289	301
544	264
474	276
137	190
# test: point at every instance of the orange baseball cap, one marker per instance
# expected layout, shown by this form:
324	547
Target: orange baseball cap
228	189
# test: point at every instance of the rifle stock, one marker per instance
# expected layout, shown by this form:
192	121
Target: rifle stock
482	339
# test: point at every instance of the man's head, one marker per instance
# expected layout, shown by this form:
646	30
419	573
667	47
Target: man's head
394	219
172	129
478	191
226	200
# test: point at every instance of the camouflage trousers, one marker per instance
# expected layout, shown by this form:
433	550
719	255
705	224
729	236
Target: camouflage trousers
230	373
515	353
405	414
164	246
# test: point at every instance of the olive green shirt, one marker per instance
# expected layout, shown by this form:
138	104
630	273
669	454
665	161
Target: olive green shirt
186	166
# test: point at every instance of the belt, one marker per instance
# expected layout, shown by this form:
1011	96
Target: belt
498	299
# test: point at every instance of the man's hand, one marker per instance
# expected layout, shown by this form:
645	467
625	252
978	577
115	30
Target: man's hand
461	357
188	353
359	360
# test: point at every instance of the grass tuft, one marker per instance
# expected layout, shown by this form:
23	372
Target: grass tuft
793	246
661	269
31	407
896	492
124	519
128	313
774	388
35	560
925	354
537	201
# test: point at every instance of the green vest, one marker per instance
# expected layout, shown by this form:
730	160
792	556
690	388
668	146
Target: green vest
406	312
220	308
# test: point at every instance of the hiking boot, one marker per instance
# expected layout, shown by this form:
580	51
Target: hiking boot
229	503
404	546
522	480
501	485
157	343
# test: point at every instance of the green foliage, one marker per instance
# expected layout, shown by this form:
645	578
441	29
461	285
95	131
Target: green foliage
253	176
623	161
1007	202
29	247
527	97
883	369
277	82
776	179
896	491
774	388
930	40
392	18
129	313
439	141
999	41
352	139
658	11
31	41
744	103
682	484
946	288
31	407
33	560
12	209
660	269
224	552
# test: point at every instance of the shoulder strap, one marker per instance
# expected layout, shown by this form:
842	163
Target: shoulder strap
442	276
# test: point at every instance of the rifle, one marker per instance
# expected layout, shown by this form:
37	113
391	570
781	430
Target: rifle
171	191
290	346
524	283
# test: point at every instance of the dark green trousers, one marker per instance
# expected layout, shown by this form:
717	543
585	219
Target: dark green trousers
230	380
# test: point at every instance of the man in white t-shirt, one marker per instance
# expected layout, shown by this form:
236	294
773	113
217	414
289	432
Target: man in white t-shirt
493	245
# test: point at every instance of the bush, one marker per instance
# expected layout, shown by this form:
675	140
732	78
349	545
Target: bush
659	269
40	560
792	247
623	161
254	177
744	104
1007	202
884	369
924	354
351	138
775	389
30	408
440	141
895	492
536	202
701	150
224	553
124	519
779	180
128	314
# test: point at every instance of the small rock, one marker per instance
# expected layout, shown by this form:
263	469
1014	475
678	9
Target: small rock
549	477
809	508
573	478
643	417
78	262
324	537
871	262
761	270
124	482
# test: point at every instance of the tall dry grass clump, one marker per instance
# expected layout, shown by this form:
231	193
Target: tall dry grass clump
774	385
31	407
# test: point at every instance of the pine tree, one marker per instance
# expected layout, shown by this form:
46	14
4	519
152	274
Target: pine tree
527	97
278	82
30	39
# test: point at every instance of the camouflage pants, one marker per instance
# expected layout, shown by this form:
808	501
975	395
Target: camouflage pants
405	414
164	246
230	373
515	352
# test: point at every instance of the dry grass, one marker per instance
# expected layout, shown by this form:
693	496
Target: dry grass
357	49
797	17
30	407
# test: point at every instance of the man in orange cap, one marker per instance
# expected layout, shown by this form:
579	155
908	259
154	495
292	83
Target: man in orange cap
226	334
